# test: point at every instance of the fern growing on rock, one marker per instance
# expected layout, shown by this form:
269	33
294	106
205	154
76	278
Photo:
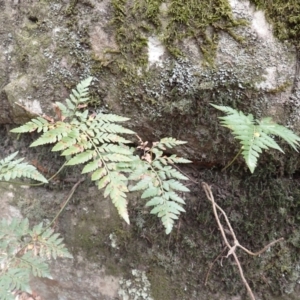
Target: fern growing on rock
25	251
11	169
159	180
96	141
255	135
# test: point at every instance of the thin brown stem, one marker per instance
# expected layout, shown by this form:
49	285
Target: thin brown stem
232	249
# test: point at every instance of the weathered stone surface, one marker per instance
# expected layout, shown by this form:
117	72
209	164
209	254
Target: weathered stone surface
47	47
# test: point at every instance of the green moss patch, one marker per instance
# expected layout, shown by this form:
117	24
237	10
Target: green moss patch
285	17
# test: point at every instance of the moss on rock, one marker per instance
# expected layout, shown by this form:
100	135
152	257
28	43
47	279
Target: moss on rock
285	17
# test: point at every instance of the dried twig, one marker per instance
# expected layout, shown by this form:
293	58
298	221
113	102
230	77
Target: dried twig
232	248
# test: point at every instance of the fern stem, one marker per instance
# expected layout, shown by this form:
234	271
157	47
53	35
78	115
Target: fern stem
60	169
232	160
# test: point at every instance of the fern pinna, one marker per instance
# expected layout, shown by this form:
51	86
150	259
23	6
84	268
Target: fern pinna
94	140
160	181
255	135
11	169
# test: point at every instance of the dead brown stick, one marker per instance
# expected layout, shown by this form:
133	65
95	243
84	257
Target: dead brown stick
232	248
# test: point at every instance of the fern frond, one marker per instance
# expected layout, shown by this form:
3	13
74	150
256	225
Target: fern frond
34	264
14	278
158	181
78	96
23	252
10	169
51	245
254	135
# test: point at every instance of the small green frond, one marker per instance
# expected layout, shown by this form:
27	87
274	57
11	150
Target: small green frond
35	264
253	135
50	244
112	148
172	173
174	196
70	137
116	157
168	211
9	158
155	201
14	229
15	278
10	169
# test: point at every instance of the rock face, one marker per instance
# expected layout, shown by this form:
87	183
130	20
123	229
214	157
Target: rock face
48	46
149	65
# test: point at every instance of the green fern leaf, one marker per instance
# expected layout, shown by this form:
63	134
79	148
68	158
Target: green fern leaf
268	126
171	142
81	158
254	135
150	192
155	201
28	127
174	196
15	278
92	166
116	157
111	118
10	169
35	264
50	243
65	142
117	189
142	184
172	173
115	128
104	181
177	186
48	137
99	174
177	160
